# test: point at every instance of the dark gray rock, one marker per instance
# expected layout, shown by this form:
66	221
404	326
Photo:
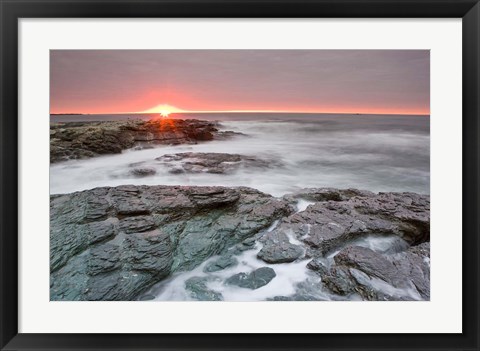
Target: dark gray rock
78	140
318	266
228	134
115	243
308	290
380	277
199	291
278	249
216	163
136	224
369	262
143	172
254	280
326	194
327	226
415	265
248	244
220	263
343	220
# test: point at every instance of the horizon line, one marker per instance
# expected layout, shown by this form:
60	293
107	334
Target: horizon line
249	111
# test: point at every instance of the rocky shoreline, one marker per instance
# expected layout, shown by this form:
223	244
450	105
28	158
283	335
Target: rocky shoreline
80	140
115	243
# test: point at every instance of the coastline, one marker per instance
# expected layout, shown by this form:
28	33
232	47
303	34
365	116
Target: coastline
117	243
81	140
143	242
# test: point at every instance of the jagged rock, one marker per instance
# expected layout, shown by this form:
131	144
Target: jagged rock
220	263
199	291
254	280
380	277
78	140
216	163
327	226
278	249
308	290
318	266
114	243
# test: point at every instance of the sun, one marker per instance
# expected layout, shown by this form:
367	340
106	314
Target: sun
163	110
164	113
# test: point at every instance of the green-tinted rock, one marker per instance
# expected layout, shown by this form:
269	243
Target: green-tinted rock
199	291
254	280
220	264
115	243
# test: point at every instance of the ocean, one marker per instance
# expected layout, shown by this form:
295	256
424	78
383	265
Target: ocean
371	152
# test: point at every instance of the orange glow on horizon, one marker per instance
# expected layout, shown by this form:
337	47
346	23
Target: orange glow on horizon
165	110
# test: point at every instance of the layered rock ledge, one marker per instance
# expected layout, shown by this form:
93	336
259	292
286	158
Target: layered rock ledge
115	243
213	162
79	140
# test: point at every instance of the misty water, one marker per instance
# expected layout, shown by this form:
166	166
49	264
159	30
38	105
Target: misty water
371	152
292	279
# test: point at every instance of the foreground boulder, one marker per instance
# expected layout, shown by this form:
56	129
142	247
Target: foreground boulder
79	140
114	243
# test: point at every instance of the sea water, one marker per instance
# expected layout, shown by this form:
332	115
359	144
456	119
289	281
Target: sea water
371	152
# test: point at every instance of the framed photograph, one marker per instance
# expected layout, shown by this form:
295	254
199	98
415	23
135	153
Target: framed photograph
238	175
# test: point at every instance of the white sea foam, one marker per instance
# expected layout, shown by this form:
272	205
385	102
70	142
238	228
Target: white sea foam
340	153
303	204
288	275
377	153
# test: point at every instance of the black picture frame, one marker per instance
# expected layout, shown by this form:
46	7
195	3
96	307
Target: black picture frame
12	11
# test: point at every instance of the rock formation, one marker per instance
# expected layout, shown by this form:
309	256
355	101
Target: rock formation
216	163
79	140
113	243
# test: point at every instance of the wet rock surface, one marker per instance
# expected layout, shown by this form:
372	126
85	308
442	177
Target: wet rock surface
197	286
340	217
327	194
253	280
336	231
141	172
221	263
326	226
113	243
278	249
404	276
80	140
215	163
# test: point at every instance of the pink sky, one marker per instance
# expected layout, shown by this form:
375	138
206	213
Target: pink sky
331	81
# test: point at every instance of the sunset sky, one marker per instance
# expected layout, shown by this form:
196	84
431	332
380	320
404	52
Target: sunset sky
329	81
